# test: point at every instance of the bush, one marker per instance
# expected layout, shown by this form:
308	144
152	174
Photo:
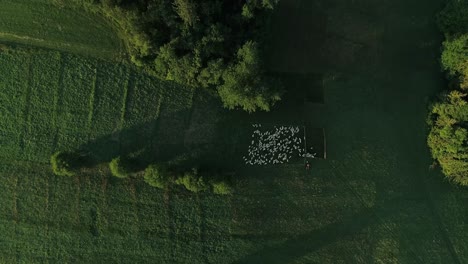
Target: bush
157	175
63	163
193	181
222	187
119	168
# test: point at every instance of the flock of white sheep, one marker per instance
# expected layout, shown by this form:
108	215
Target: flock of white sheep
276	146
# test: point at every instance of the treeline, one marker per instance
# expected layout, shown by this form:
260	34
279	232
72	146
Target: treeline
448	120
215	44
183	170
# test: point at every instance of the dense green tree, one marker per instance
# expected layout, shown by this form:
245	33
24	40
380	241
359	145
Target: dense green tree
448	120
199	44
193	181
187	11
455	55
453	19
158	175
448	137
245	84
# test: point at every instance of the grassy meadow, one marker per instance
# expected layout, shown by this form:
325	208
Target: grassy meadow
373	200
56	25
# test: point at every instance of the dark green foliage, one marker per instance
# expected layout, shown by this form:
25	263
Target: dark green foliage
193	181
211	44
455	55
120	168
245	84
372	202
187	11
448	120
448	136
63	163
453	19
158	175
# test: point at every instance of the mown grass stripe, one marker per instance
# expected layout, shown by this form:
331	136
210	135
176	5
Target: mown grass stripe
26	105
203	231
127	88
16	216
172	231
58	95
92	101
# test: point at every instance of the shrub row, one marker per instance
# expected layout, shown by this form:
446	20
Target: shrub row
159	175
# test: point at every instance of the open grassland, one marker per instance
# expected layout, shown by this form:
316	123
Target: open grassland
53	101
43	24
374	200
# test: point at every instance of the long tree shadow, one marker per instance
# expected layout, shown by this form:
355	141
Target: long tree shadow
152	141
310	242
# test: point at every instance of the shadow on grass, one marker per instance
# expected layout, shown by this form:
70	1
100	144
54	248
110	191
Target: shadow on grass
301	245
145	143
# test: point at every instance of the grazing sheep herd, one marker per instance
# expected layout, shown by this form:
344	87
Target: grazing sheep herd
276	146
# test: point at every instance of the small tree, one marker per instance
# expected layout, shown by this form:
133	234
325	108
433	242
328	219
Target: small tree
119	168
62	163
222	188
157	175
193	182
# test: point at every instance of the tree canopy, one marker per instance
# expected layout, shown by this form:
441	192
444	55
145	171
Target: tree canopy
448	137
448	120
213	44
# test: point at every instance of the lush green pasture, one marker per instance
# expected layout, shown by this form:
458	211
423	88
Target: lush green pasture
373	200
48	24
53	101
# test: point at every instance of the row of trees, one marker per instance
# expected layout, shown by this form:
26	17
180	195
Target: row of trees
448	119
213	44
160	175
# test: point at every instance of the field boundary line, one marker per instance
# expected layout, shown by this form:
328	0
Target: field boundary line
15	36
16	216
156	122
203	237
58	95
127	90
170	217
60	46
27	104
77	183
92	101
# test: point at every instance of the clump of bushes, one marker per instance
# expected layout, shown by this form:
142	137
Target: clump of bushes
158	175
192	181
63	163
120	167
162	175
